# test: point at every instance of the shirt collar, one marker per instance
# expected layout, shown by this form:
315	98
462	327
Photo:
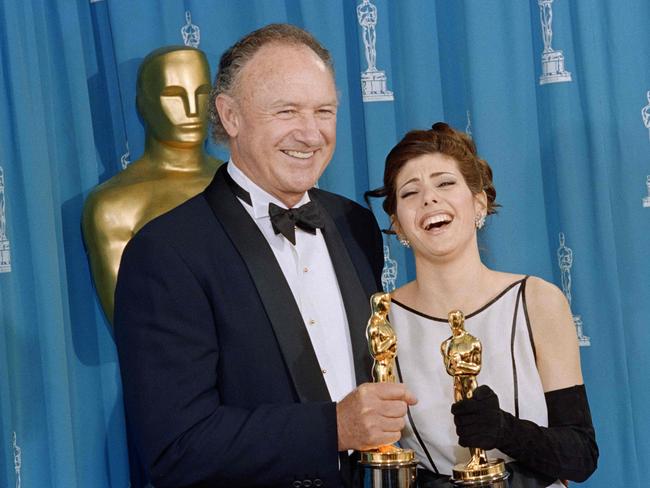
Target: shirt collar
260	198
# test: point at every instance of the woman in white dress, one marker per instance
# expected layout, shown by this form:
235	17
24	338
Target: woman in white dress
531	408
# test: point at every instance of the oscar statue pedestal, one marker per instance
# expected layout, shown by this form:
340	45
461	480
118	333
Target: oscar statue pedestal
553	68
492	474
392	469
374	87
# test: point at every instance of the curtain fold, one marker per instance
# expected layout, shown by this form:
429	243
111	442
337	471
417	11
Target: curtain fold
62	421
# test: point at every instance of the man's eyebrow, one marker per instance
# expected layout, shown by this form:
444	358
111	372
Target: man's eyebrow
293	103
278	103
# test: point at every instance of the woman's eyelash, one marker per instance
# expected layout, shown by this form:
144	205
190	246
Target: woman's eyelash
441	184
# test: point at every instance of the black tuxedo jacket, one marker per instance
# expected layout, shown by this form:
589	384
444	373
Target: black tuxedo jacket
222	387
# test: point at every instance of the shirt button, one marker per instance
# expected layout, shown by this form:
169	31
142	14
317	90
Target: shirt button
305	269
312	322
324	371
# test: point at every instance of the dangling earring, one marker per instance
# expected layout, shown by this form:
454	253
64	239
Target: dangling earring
403	241
479	221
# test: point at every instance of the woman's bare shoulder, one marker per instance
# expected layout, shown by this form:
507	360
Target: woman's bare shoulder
554	334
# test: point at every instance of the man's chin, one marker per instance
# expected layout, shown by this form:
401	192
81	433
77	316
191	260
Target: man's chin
303	178
293	191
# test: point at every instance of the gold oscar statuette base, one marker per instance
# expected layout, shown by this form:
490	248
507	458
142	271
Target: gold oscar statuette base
389	467
392	457
482	475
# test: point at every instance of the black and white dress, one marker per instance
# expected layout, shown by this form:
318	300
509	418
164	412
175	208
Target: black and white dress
508	367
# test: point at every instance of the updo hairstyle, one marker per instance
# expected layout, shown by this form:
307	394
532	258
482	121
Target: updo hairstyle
440	139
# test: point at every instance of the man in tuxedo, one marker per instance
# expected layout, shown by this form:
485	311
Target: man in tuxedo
240	315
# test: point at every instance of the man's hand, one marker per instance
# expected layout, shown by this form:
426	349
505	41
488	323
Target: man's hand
372	415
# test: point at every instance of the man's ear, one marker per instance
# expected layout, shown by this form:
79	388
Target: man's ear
228	110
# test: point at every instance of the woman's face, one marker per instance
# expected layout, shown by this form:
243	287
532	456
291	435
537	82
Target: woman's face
435	208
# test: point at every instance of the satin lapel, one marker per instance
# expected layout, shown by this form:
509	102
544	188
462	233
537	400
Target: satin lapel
273	290
355	299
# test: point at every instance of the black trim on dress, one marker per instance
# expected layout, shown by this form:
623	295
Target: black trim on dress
467	316
530	330
415	430
515	384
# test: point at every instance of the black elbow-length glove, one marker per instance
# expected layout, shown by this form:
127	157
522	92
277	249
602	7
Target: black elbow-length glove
566	449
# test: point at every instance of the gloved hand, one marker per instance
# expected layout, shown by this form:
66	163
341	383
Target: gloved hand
479	420
566	449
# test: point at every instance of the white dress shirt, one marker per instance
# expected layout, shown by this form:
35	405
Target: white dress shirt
308	269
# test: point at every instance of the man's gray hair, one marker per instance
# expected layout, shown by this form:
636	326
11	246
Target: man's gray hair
235	58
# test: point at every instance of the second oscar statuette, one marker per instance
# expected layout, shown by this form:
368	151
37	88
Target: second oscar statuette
386	466
461	354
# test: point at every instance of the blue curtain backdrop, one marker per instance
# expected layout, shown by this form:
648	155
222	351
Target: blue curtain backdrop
559	107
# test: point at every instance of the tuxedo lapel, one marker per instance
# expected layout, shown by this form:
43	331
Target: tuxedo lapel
355	299
273	289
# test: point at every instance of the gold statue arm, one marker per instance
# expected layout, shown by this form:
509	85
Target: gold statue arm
461	355
460	366
382	340
105	238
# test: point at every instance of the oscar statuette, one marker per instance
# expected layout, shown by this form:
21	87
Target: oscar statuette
461	354
386	466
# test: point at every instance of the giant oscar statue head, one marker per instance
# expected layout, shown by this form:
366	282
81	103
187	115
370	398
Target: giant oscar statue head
172	95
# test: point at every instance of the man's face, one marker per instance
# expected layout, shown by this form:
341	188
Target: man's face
174	99
282	120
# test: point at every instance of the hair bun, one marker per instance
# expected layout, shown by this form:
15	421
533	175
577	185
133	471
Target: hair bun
442	128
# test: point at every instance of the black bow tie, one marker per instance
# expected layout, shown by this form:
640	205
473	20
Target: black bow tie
285	221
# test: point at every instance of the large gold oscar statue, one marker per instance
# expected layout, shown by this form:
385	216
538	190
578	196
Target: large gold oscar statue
172	96
461	354
385	466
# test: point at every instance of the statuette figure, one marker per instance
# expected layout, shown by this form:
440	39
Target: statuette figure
462	357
